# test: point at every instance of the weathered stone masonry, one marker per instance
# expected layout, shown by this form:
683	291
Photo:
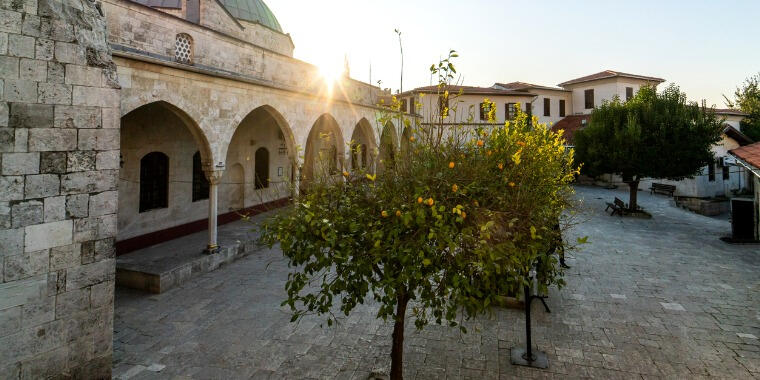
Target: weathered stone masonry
59	163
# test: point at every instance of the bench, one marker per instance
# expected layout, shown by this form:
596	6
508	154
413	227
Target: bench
618	207
662	188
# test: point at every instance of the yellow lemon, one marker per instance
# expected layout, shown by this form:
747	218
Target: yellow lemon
451	165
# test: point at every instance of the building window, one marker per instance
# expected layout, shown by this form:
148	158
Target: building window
547	107
589	98
628	93
726	173
562	108
200	182
529	111
485	108
261	170
711	171
183	48
404	107
154	181
510	110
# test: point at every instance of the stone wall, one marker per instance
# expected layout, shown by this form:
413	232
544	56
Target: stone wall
59	161
216	106
137	30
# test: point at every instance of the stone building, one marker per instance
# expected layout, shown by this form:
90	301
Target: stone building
123	123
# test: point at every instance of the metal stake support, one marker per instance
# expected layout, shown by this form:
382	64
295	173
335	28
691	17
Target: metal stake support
526	356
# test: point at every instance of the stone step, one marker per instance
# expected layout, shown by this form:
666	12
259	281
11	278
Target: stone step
186	267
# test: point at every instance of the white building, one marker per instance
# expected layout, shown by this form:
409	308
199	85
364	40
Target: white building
568	107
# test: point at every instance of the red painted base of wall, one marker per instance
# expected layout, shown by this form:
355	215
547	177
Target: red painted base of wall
142	241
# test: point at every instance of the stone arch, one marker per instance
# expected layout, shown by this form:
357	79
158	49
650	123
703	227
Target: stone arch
405	136
388	146
262	127
363	145
159	126
204	147
325	135
279	120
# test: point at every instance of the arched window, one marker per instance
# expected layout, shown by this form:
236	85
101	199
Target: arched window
200	182
183	48
261	170
154	181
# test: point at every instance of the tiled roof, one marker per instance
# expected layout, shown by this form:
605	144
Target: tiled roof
527	86
737	135
571	124
609	74
468	90
729	111
749	154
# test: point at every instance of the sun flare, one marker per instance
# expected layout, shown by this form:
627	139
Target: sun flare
330	71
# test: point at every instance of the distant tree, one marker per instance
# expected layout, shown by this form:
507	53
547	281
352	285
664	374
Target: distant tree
747	99
655	135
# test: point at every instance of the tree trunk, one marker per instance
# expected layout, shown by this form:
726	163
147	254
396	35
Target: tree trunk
397	352
633	185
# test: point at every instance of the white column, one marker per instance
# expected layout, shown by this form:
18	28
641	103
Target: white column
214	178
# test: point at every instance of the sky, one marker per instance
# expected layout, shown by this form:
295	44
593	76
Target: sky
706	48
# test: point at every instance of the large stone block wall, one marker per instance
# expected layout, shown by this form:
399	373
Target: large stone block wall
59	164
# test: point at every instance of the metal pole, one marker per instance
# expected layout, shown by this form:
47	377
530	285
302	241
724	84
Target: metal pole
529	349
526	356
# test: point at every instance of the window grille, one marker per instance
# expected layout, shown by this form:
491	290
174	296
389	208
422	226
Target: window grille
183	48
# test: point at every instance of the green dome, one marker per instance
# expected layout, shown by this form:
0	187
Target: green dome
253	11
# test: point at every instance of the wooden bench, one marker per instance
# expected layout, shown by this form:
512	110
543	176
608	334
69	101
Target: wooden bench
662	188
618	207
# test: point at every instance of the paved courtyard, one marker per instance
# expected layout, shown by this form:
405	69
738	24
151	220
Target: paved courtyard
659	298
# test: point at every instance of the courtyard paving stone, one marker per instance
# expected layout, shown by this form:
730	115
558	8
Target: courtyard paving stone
646	299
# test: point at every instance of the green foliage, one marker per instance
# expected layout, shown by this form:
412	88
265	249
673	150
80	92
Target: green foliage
656	135
747	99
456	220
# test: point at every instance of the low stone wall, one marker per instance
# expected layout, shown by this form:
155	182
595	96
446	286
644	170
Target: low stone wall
709	207
59	161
